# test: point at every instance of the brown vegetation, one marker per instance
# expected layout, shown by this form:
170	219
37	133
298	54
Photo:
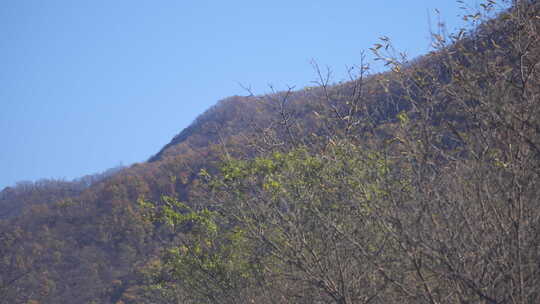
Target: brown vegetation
419	185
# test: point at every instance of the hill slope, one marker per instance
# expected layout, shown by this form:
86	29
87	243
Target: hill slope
459	125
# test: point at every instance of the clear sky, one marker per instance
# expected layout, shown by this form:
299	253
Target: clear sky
88	85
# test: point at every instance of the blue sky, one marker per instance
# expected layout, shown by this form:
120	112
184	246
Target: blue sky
88	85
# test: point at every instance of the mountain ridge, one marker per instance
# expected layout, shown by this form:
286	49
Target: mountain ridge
94	243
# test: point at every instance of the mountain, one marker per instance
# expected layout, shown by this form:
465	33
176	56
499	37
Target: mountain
432	168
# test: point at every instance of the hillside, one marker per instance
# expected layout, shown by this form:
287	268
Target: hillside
416	185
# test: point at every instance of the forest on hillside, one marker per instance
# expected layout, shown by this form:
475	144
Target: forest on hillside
417	185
